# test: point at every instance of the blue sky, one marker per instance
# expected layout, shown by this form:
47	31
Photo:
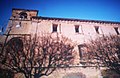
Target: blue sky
107	10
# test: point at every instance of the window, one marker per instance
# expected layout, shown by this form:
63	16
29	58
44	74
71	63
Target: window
15	44
54	28
97	29
77	28
117	30
23	15
18	25
82	51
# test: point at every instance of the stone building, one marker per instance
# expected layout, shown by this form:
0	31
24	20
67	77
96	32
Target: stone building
27	22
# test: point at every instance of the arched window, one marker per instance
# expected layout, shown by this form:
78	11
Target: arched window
23	15
15	44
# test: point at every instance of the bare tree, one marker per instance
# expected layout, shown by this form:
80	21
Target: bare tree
106	51
37	56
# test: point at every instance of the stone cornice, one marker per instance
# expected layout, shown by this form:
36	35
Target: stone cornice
77	20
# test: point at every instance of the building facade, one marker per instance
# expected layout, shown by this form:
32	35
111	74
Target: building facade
27	22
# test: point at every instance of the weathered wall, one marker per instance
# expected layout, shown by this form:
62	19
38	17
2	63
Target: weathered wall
67	28
84	72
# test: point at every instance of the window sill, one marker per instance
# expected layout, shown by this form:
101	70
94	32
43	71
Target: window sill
79	33
55	32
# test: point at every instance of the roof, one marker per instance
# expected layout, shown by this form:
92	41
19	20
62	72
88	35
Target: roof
24	9
71	19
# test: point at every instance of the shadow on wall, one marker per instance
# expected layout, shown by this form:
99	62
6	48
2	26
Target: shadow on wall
75	75
6	73
109	74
